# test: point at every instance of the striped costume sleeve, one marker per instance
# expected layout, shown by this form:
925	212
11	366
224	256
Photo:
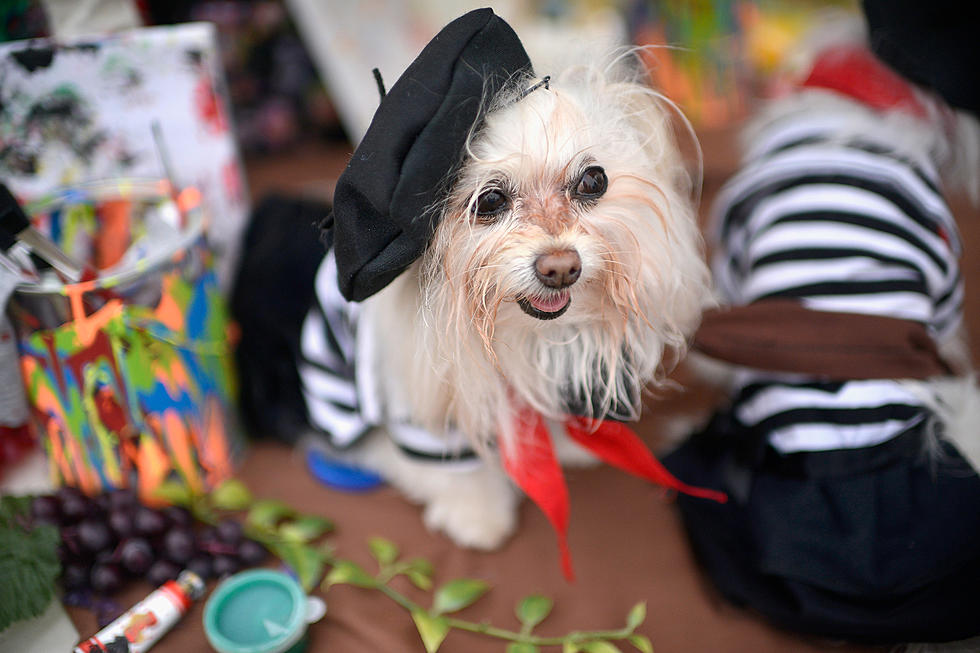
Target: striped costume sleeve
327	365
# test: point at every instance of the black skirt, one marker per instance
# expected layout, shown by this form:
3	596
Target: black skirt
876	545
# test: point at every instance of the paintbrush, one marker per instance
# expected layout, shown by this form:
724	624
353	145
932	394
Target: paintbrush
16	227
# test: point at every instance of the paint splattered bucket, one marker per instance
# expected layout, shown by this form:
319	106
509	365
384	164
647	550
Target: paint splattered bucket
129	375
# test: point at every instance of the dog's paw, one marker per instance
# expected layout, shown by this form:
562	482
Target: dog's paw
472	514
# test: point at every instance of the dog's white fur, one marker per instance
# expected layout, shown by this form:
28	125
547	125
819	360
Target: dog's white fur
457	351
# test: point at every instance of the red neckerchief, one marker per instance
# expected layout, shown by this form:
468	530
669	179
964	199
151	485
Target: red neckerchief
855	72
533	466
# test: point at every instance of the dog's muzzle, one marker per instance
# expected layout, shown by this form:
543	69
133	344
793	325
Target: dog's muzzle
555	270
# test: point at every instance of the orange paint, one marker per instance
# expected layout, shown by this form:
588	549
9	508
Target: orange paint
188	199
85	478
112	238
167	311
88	326
182	449
58	461
154	466
216	458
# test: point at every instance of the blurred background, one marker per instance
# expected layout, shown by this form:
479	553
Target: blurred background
297	73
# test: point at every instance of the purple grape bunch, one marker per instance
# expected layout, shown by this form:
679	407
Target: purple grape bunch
110	538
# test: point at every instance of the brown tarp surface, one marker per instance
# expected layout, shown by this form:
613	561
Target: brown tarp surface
627	543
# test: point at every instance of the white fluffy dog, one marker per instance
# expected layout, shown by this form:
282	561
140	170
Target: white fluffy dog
567	262
565	267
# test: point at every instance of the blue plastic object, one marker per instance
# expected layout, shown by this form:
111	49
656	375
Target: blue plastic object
341	476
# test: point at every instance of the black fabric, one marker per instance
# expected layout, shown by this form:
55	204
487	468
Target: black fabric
381	220
879	545
933	44
273	291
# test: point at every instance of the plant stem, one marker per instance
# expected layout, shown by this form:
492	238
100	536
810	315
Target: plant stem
501	633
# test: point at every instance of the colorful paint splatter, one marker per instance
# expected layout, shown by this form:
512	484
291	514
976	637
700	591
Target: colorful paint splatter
129	394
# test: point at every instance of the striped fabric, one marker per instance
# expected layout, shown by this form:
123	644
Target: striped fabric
336	372
840	226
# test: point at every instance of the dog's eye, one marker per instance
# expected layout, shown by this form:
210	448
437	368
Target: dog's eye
592	184
491	202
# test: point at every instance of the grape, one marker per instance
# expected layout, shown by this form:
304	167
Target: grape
251	552
69	540
149	522
201	565
178	516
178	545
121	522
161	571
229	531
46	510
123	499
105	577
208	541
74	576
224	565
101	502
94	536
135	555
74	505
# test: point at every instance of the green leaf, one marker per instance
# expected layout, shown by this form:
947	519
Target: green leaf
350	573
305	560
419	571
174	492
568	646
384	551
265	514
420	580
636	616
600	646
642	643
29	565
422	566
533	609
305	528
457	594
12	507
231	495
432	629
522	647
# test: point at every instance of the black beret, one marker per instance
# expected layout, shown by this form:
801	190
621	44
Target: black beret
414	145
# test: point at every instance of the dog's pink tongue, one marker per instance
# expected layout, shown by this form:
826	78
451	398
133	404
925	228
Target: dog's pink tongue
550	303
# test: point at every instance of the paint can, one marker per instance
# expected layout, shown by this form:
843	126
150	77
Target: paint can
129	373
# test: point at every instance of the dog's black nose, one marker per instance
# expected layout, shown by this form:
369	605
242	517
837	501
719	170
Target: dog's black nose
558	269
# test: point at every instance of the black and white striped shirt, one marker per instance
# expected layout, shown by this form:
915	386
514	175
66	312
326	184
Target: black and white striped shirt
337	373
840	226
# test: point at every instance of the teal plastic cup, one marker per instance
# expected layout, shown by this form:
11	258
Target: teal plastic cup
260	611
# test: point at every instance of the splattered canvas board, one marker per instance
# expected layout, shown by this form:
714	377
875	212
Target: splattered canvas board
81	110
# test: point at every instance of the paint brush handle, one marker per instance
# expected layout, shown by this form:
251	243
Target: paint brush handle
16	226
